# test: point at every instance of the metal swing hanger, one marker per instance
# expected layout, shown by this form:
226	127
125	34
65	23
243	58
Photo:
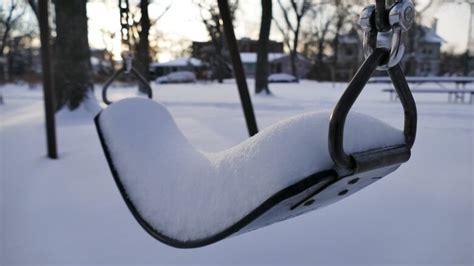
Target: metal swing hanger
127	56
400	17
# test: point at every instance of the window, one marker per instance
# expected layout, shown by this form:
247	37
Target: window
349	52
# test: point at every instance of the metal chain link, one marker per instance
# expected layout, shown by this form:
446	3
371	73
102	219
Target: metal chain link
125	33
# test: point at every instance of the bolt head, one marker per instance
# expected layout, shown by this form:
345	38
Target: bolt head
402	15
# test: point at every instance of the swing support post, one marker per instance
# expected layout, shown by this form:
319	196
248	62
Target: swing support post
48	84
237	67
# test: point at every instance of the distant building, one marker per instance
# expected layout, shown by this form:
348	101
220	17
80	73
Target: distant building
278	60
180	64
427	51
246	45
279	63
283	65
348	56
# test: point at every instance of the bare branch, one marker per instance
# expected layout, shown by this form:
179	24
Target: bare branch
285	11
34	7
154	21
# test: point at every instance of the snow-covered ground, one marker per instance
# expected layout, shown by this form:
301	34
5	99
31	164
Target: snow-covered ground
69	211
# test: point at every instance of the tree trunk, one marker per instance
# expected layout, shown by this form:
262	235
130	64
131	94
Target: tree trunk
6	32
320	50
73	75
261	73
294	53
143	46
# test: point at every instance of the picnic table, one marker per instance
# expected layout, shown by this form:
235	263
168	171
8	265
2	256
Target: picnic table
454	95
457	93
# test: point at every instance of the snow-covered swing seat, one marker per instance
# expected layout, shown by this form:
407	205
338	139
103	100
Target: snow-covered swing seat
187	198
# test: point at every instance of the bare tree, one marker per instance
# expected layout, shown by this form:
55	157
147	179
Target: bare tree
211	18
16	35
142	28
315	37
9	17
261	74
143	45
175	46
293	15
344	16
34	7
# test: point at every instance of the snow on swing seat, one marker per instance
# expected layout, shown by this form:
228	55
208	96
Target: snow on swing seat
185	195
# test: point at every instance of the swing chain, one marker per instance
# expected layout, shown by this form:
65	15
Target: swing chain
125	25
400	17
127	55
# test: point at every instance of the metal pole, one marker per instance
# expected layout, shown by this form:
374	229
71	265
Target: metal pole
238	68
48	86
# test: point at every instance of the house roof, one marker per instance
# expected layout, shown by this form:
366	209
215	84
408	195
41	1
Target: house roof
430	36
180	62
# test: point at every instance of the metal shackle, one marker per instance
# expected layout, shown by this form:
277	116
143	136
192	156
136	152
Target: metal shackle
401	18
128	61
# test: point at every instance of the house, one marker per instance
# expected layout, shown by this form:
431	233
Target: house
180	64
282	64
427	52
279	63
249	61
278	60
348	56
246	45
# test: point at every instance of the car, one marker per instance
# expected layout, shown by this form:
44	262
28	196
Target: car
282	77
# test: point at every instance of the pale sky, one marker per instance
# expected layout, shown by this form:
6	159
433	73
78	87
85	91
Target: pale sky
182	22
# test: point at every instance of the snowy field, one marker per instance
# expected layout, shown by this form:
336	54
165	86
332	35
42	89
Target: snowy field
69	211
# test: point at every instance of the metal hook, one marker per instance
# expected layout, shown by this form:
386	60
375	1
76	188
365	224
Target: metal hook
127	68
365	161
